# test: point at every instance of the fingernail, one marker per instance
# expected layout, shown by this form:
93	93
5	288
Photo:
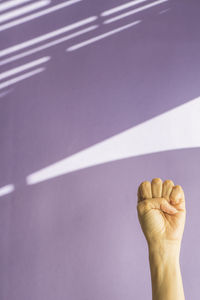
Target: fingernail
173	201
173	209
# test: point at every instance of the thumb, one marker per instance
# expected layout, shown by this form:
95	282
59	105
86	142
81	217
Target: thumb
163	204
156	203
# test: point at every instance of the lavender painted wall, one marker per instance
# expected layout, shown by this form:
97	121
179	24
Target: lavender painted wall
77	236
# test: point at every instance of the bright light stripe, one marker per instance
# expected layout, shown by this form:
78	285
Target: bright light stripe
164	11
23	10
121	7
102	36
167	131
37	14
20	78
46	36
5	93
50	44
24	67
134	11
9	4
6	189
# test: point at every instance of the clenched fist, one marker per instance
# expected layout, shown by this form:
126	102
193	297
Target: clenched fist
161	211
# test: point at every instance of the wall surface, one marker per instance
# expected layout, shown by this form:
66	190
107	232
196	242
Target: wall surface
95	97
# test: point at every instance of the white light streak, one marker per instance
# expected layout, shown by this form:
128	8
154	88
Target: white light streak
24	67
121	7
168	131
102	36
9	4
46	36
23	10
134	11
6	189
20	78
47	45
5	93
37	14
163	11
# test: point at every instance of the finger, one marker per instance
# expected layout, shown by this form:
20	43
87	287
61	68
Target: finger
156	203
156	187
145	190
177	195
169	209
139	195
167	188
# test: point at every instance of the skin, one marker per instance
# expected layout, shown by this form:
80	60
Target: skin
162	213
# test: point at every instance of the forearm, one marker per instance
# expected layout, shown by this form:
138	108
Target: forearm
165	273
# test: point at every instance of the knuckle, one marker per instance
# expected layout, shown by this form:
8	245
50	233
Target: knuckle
142	206
145	203
139	208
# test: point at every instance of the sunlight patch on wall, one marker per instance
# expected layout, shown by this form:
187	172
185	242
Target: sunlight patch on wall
177	128
134	11
23	10
7	189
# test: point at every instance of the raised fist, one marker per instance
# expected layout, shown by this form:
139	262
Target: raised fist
161	211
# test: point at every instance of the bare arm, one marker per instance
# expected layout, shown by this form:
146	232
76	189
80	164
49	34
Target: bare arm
165	273
161	212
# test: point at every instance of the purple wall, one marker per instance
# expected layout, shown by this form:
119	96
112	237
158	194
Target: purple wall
77	236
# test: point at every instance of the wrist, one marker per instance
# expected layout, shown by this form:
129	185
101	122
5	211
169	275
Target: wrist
165	271
165	251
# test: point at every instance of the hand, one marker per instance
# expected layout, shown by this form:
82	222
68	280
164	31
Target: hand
161	211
